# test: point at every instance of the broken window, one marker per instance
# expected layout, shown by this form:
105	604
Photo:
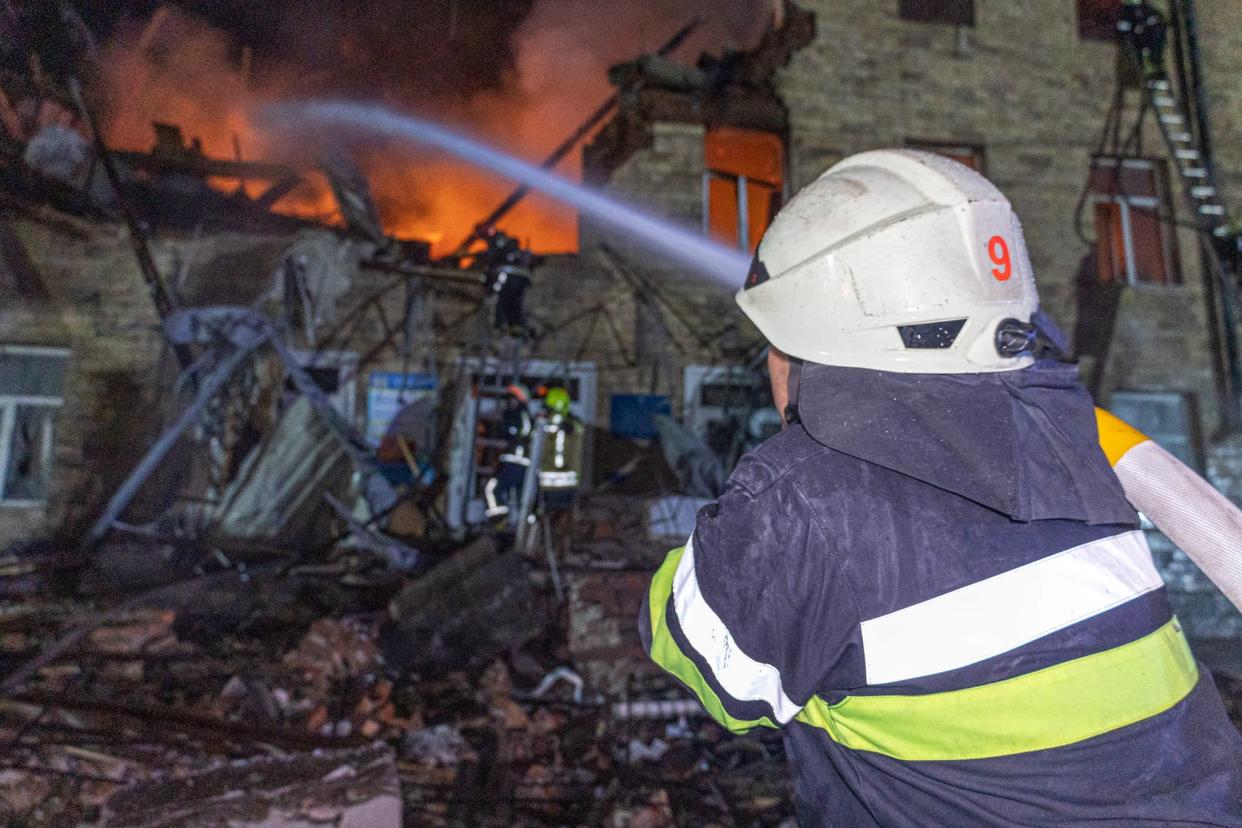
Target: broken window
1134	244
954	12
968	154
31	393
743	185
1097	19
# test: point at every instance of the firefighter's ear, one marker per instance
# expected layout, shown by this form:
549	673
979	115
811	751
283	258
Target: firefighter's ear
778	377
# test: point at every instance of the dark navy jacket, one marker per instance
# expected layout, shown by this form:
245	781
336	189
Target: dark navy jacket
938	661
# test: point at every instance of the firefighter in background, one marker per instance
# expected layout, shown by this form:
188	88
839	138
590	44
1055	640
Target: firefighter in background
560	468
1143	31
505	489
931	578
508	270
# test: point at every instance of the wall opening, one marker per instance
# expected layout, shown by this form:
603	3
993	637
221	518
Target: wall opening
743	185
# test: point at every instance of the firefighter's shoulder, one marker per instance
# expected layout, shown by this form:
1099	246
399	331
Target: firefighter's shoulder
774	458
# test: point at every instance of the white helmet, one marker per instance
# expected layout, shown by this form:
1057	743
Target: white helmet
896	260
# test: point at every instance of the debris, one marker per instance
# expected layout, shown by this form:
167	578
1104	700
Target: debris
559	674
61	154
278	491
440	745
701	471
653	752
353	195
481	605
143	632
348	789
335	651
397	554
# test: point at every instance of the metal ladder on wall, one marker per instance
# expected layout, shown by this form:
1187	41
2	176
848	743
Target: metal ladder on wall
1198	179
1201	193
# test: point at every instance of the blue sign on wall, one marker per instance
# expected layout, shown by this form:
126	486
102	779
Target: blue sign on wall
632	415
387	393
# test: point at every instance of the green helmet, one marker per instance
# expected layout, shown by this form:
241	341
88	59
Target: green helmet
557	399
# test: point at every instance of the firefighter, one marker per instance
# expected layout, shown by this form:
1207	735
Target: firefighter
931	578
508	270
560	468
504	490
1143	31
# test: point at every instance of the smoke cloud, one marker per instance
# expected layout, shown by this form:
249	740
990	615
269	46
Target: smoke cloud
519	74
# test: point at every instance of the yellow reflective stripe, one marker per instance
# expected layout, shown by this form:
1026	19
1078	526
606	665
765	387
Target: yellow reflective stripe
1116	436
1049	708
666	653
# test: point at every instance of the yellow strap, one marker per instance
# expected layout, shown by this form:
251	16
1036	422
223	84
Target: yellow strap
1116	436
1056	706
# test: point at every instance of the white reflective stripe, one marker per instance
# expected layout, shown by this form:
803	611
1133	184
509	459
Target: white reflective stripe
741	676
1002	613
558	478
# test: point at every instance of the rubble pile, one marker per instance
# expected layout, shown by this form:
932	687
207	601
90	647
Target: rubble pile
287	696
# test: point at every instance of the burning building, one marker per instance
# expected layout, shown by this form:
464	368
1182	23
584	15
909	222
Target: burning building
269	368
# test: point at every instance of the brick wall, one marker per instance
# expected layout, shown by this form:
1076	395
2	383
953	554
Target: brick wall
99	309
1022	85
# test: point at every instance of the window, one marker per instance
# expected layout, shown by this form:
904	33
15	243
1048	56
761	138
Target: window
31	392
743	184
968	154
1133	241
1167	418
1097	19
954	12
718	401
468	471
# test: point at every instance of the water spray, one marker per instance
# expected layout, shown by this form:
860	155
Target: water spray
726	266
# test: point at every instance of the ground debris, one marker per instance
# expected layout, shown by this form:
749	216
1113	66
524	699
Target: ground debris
459	695
282	696
349	789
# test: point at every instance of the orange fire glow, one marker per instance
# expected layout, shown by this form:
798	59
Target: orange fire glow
178	69
182	71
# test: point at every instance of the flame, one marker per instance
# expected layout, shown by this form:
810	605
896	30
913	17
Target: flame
182	71
178	69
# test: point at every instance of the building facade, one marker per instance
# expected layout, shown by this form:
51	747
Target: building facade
1022	92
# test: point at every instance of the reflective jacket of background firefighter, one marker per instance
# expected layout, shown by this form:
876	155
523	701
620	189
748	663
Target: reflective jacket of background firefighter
936	586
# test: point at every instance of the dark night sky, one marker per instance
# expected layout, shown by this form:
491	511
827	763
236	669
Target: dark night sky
408	46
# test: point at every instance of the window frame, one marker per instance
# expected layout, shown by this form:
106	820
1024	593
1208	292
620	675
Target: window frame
9	403
1160	204
741	184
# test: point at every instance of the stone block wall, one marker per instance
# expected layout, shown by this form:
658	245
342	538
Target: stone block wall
119	391
98	309
1026	89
